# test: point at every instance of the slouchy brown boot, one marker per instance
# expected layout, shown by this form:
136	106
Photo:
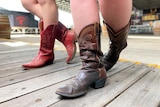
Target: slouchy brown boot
118	41
45	55
92	72
65	36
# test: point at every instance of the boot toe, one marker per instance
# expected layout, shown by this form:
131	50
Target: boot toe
30	65
37	63
69	92
64	91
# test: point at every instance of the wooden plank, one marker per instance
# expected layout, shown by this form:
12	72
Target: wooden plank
10	57
7	45
119	66
24	87
18	52
19	74
22	56
116	84
27	57
11	69
22	53
40	98
6	54
144	93
16	68
23	75
45	96
16	60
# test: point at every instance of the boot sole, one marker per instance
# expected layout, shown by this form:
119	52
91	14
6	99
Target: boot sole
72	95
32	67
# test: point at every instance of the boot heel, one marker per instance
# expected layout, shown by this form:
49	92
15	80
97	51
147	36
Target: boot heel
99	84
49	62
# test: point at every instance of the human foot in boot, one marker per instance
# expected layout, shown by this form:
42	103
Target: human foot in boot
45	55
92	72
68	38
118	41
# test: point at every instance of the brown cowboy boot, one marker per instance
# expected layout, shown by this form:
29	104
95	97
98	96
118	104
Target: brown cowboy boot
45	55
65	36
118	41
92	72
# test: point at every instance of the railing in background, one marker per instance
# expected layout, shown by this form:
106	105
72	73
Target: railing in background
141	29
24	30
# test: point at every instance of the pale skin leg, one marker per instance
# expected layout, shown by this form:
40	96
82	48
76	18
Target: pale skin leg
84	12
32	6
46	9
116	13
86	19
49	11
112	11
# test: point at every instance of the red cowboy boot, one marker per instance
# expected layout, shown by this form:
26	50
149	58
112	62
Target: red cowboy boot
65	36
92	72
118	41
45	55
68	38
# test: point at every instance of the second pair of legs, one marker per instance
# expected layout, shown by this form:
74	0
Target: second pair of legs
94	63
45	55
116	16
50	29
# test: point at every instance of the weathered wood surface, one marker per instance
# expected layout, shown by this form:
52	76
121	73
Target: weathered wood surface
129	84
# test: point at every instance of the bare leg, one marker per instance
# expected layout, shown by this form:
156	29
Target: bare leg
50	12
47	10
33	6
84	14
116	13
93	73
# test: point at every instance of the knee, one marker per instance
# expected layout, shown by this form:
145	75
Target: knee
25	3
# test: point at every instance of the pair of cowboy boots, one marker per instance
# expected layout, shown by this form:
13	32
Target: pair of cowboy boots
93	71
46	51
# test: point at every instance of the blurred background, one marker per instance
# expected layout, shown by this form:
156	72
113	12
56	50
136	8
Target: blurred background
145	17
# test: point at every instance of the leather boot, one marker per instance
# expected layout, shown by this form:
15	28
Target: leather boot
92	72
67	37
118	41
45	55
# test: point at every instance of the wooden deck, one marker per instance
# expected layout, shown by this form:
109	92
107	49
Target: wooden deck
129	84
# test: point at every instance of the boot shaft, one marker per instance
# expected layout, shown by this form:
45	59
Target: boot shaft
89	38
89	45
116	36
118	40
61	31
48	38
